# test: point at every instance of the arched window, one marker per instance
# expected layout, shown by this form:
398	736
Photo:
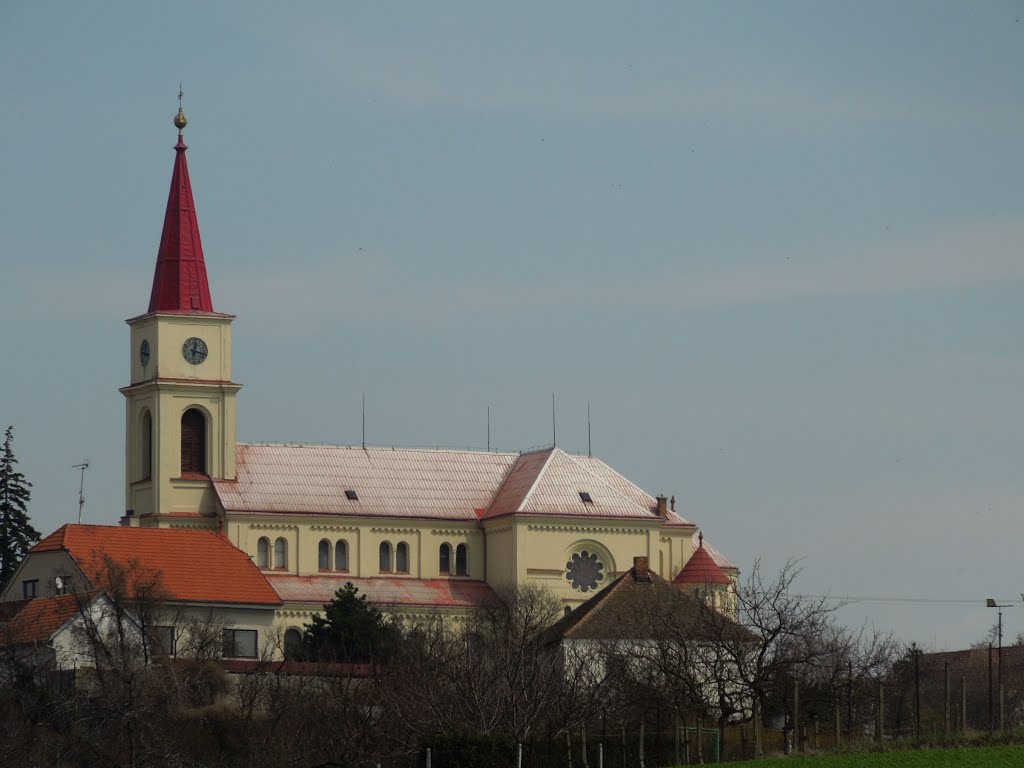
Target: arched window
193	442
292	644
444	565
281	554
341	555
385	557
263	553
402	557
324	555
146	446
462	560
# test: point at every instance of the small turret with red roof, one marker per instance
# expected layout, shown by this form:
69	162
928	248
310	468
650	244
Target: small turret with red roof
701	568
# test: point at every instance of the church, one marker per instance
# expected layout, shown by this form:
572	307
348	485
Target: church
422	531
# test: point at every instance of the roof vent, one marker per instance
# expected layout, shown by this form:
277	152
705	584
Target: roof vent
586	498
351	495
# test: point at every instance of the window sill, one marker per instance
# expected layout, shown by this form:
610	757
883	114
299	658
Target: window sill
192	476
340	570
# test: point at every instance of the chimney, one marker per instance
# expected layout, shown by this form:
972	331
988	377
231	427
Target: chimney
662	506
641	569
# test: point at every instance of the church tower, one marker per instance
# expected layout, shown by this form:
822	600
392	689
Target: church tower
180	416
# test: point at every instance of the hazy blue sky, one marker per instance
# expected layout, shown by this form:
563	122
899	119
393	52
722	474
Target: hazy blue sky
778	247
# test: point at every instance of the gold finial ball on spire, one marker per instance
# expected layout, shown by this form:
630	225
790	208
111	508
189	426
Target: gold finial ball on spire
180	121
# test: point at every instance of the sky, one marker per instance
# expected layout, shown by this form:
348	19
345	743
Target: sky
778	248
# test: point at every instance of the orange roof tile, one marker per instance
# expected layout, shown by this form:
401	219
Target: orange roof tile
193	566
38	619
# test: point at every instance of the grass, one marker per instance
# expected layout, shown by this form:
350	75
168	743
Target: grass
952	757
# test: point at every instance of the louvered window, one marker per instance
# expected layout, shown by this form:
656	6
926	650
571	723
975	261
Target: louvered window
193	442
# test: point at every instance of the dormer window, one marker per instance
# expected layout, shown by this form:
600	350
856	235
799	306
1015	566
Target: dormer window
586	498
351	495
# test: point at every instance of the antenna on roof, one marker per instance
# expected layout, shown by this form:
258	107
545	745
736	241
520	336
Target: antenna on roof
364	421
488	429
589	452
81	486
554	425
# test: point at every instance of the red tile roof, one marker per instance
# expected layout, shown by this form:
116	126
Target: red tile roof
38	619
443	593
701	568
193	566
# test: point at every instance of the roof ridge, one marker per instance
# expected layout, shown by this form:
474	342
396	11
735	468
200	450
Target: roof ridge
537	478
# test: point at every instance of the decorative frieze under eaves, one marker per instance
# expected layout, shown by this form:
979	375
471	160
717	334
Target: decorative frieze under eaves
585	529
390	530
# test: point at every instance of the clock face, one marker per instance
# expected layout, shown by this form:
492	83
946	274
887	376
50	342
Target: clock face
194	350
144	353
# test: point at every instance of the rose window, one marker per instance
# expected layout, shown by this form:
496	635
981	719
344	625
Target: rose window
584	571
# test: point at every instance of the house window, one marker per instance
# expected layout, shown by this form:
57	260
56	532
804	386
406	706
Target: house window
163	638
385	557
263	553
462	560
292	644
28	588
341	556
444	565
324	555
402	557
240	643
193	442
280	554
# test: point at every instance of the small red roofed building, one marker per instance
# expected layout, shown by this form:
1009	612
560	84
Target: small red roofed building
45	636
190	580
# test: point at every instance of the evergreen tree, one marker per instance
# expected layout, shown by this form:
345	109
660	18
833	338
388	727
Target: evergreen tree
16	533
351	630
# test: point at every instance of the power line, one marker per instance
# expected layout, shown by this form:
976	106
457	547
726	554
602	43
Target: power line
979	602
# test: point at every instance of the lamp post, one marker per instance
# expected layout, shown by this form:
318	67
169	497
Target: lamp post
991	603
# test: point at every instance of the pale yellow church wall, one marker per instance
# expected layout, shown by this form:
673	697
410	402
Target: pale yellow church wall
501	552
165	388
167	334
545	547
304	533
296	616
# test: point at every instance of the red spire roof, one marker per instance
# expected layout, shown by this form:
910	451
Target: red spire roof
179	282
701	568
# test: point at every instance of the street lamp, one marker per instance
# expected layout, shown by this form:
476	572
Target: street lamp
991	603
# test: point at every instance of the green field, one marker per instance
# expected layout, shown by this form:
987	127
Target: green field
956	757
